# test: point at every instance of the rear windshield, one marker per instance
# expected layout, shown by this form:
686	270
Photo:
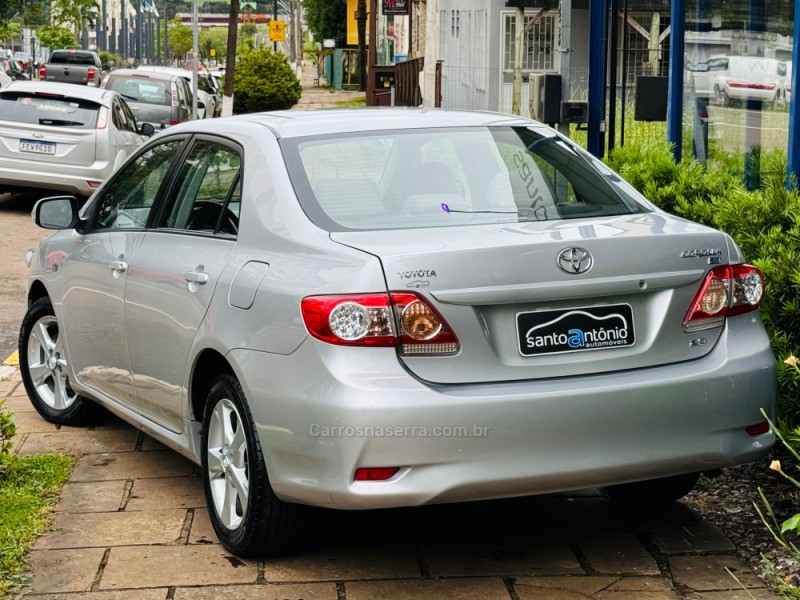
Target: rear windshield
137	88
449	177
56	111
68	58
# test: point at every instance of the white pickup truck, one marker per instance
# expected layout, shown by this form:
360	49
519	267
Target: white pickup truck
73	66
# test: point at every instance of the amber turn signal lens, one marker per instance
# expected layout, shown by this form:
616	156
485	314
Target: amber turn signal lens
419	322
715	297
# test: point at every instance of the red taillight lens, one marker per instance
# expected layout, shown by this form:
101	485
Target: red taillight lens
757	429
42	72
381	474
726	291
102	118
397	319
174	122
90	74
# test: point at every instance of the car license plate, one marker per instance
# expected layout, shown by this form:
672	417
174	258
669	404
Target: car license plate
575	329
37	147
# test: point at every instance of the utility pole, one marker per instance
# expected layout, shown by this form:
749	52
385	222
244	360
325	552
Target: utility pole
361	20
138	41
102	43
275	16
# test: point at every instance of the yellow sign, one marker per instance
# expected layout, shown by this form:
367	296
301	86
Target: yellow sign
277	31
213	52
352	23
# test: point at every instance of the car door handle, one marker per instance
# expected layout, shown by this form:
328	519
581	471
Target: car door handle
119	265
196	277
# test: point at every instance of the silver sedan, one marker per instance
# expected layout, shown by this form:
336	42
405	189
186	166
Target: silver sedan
54	136
367	309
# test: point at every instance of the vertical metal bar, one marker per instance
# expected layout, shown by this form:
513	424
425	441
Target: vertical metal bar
166	34
794	138
275	16
195	53
138	39
756	23
624	70
123	31
613	51
565	66
597	76
516	89
675	94
102	41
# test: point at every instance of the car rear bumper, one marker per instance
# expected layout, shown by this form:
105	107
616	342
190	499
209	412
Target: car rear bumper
323	412
72	179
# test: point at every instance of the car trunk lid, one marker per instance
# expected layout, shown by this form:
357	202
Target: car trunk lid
525	303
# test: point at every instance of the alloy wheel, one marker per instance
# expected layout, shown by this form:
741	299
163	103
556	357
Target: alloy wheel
228	472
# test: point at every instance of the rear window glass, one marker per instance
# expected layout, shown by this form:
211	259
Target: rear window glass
67	58
139	89
38	110
449	177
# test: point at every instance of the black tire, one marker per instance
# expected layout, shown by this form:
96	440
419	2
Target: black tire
43	366
263	524
653	492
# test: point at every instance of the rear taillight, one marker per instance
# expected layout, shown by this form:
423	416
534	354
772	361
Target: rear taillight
174	122
400	319
102	118
726	291
42	72
89	75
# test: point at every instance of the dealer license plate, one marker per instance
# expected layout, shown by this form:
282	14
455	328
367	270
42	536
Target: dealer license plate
575	329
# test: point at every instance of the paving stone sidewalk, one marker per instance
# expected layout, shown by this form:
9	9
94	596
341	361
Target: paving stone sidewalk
132	525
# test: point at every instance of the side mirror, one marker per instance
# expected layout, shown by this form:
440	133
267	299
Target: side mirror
147	129
57	212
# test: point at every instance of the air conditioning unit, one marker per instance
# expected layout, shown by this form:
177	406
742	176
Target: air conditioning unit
545	97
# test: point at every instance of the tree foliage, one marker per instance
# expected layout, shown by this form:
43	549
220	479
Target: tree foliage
56	37
264	81
180	39
327	19
8	31
74	12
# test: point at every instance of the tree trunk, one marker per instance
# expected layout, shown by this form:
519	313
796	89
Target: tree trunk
230	59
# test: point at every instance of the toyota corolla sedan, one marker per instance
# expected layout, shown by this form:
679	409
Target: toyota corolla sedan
362	309
55	137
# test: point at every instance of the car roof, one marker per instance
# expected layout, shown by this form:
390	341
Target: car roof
160	75
327	121
71	90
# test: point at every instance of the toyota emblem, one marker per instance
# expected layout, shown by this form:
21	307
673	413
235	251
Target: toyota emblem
574	260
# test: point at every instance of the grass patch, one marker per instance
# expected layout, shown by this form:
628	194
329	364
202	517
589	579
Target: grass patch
28	489
354	103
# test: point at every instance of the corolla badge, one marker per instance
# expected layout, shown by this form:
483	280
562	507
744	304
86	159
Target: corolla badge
574	260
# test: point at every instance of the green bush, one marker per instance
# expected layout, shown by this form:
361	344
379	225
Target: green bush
765	223
264	81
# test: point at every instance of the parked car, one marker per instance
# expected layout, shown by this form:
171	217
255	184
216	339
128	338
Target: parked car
13	69
391	308
206	95
161	99
25	61
73	66
56	136
730	78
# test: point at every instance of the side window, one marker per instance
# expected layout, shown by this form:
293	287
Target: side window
206	195
127	201
131	120
117	117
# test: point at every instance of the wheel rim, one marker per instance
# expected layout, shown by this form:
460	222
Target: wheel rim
47	365
228	472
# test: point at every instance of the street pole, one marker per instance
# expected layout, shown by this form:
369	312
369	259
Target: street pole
103	41
275	16
361	21
166	35
516	90
123	31
138	38
566	58
195	53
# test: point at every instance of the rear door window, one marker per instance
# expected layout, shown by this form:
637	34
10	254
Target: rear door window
33	109
71	58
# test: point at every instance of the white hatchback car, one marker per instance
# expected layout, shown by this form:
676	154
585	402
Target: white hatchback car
58	136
